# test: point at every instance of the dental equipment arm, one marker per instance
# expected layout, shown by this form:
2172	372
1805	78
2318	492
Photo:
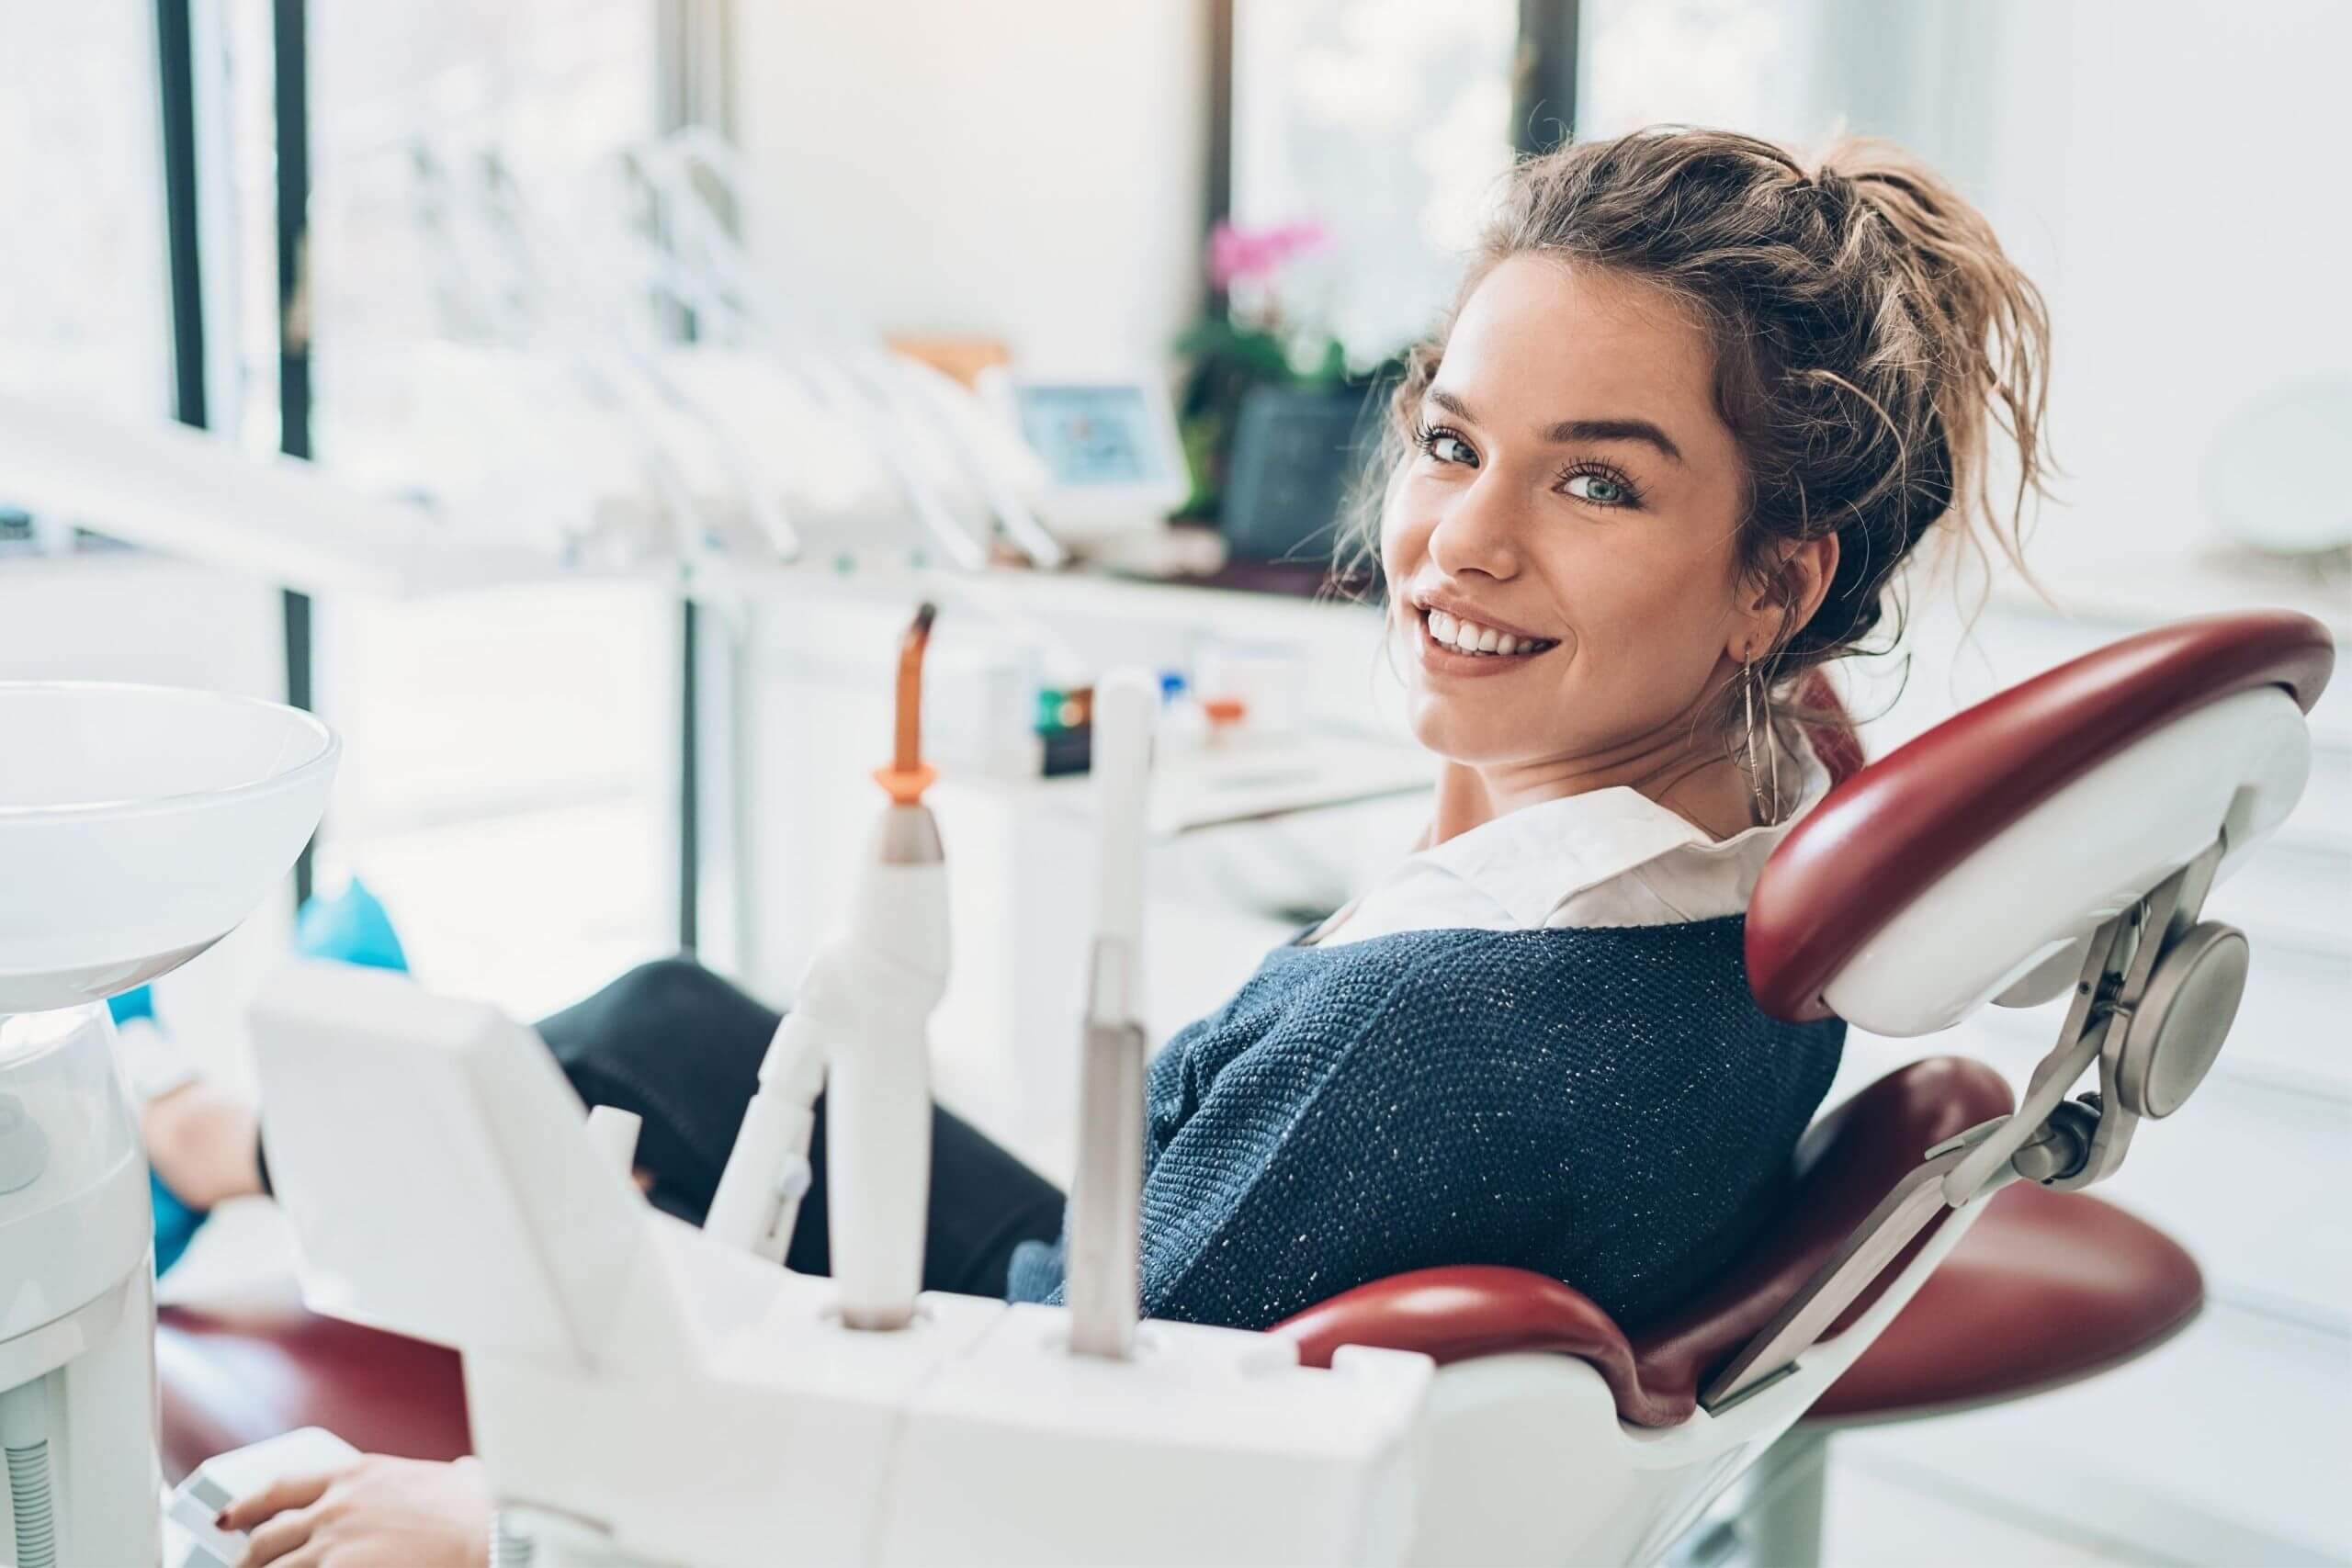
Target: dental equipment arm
861	1012
1105	1234
620	370
855	379
283	519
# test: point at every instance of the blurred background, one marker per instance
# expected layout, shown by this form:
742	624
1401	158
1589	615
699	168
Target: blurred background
618	319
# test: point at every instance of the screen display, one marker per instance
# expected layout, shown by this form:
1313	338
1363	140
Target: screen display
1092	435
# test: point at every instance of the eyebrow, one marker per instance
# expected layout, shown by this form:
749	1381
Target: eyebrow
1577	429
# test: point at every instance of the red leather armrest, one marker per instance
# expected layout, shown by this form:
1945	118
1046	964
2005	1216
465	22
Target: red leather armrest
1459	1314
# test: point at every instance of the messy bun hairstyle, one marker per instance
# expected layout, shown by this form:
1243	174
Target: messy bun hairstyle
1867	329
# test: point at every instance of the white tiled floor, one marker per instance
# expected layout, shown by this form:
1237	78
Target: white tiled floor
1888	1518
2227	1446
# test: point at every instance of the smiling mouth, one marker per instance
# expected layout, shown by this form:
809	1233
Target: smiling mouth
1457	636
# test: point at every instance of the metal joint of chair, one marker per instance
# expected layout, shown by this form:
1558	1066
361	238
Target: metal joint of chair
2158	991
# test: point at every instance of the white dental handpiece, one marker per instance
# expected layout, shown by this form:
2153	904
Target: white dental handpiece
857	1029
1104	1261
890	972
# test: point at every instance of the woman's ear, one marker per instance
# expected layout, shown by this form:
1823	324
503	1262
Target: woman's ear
1783	598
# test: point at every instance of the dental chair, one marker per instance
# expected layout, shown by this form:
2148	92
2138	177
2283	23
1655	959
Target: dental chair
1932	1250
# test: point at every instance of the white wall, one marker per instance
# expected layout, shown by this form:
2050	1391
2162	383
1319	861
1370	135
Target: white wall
1031	170
2170	172
2173	174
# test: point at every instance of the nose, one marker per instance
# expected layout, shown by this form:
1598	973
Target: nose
1478	532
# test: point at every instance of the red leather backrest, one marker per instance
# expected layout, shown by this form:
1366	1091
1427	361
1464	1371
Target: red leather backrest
1848	1161
1887	834
1829	728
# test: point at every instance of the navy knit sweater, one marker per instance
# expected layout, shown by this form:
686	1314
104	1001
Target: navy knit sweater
1604	1105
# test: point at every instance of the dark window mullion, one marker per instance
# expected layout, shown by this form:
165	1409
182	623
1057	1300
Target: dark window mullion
292	99
175	80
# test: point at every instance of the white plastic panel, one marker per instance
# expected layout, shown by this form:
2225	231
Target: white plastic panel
439	1176
1022	1452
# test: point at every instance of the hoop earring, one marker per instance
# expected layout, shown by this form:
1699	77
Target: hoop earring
1751	697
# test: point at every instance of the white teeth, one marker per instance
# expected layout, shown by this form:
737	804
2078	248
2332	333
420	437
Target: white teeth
1468	637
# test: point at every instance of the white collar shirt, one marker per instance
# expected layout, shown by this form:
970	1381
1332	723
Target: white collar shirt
1611	857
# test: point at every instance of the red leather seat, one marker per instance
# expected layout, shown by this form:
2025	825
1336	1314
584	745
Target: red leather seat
235	1377
2046	1289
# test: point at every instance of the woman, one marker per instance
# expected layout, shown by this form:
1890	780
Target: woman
1697	401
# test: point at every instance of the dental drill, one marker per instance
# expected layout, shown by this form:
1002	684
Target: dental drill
1105	1236
858	1031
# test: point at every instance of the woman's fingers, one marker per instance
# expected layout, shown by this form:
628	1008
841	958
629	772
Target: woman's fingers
279	1537
286	1491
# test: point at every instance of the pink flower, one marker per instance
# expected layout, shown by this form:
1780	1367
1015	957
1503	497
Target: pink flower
1254	256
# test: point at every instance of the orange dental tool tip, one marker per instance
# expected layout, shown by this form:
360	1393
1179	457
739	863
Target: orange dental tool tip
908	775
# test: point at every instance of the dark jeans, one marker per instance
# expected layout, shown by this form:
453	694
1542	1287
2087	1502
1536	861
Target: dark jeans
681	1047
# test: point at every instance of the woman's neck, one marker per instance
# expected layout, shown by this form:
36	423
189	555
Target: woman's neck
1696	781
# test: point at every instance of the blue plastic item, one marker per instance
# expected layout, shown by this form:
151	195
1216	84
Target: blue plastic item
351	927
137	1002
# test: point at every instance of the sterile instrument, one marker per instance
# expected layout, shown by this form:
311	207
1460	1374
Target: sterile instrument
558	430
643	1391
138	826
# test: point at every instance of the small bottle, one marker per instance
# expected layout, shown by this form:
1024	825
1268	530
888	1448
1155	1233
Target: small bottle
1226	716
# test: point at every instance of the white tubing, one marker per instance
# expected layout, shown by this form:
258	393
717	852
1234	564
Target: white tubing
23	1439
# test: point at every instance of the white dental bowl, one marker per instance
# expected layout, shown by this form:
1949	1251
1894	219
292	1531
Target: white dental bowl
138	826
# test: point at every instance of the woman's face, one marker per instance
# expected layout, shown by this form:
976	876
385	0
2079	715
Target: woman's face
1571	512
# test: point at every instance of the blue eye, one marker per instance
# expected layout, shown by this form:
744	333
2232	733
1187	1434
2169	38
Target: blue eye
1445	446
1600	489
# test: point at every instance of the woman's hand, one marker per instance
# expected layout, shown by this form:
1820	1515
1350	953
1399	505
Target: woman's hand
377	1512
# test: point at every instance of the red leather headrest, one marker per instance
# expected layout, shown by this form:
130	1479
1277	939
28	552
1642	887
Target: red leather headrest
1884	835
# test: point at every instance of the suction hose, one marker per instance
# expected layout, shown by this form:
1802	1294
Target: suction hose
24	1438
